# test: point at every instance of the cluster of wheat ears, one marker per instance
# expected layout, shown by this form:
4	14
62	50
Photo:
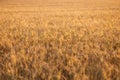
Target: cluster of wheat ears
83	45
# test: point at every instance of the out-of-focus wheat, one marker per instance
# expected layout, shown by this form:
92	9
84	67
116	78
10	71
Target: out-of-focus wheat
60	46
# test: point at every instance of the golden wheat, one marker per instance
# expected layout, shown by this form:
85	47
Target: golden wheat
59	44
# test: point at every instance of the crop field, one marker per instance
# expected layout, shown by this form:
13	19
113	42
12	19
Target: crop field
60	40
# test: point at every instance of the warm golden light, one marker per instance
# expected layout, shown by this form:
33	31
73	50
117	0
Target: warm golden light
59	39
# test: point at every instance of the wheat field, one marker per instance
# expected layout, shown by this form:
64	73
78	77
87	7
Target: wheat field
60	40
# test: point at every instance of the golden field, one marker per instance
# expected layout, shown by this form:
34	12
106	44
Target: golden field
60	40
